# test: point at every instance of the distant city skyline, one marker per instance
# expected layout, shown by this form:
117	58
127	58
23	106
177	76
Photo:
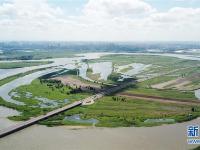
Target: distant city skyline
99	20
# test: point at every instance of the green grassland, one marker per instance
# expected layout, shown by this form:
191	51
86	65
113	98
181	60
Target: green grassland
119	112
169	67
156	80
50	90
126	69
26	111
11	65
166	93
145	59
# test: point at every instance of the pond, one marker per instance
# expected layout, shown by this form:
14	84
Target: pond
45	102
76	118
136	68
159	120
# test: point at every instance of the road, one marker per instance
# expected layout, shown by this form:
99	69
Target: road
159	99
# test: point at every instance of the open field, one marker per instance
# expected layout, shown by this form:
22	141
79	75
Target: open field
113	111
75	81
189	95
29	94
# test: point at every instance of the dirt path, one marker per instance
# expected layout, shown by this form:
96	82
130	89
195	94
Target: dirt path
159	99
68	80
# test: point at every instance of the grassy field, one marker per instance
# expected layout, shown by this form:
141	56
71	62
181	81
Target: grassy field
126	69
26	111
160	79
145	59
11	65
118	112
51	91
182	95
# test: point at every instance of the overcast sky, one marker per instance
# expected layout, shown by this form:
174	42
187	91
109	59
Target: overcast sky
100	20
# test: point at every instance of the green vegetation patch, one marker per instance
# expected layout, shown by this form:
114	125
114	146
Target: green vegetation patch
48	89
126	69
51	90
112	111
173	94
26	111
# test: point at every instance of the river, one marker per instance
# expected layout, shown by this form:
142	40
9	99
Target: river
165	137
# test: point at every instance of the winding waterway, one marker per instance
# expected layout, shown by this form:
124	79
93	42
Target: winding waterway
68	63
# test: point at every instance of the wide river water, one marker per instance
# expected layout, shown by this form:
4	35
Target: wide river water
165	137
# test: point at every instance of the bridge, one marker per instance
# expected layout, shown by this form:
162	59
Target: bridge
85	101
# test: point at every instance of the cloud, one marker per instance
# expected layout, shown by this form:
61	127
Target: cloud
100	20
116	8
178	14
32	10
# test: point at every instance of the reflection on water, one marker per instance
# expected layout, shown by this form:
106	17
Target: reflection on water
45	102
136	68
83	71
103	68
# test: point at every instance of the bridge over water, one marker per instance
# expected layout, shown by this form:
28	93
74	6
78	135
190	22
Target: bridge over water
30	122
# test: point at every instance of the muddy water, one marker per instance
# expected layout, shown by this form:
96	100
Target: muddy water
166	137
4	113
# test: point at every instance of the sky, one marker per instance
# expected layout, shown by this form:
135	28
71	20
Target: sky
99	20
